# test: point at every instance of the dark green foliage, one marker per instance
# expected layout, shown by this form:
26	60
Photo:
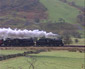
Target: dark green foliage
60	28
67	39
81	19
37	20
61	20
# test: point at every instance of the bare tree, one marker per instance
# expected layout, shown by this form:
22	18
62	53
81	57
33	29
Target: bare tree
32	62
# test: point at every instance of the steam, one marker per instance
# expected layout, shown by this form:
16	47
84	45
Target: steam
24	34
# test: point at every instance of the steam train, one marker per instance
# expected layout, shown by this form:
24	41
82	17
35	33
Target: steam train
31	42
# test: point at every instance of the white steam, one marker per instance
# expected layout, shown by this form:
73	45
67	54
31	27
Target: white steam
24	34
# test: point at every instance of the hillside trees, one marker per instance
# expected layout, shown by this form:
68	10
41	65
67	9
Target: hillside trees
19	5
81	19
67	39
61	20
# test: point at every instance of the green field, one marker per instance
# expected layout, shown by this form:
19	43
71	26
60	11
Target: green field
6	52
58	9
81	41
47	60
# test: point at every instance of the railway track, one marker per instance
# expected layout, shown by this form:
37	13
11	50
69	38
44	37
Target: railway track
45	46
73	46
67	47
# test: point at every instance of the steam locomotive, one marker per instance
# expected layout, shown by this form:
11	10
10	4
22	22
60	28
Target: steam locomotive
31	42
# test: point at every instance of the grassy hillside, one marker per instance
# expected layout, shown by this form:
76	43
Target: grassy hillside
73	14
58	9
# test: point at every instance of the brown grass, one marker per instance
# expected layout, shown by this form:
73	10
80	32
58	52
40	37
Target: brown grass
45	48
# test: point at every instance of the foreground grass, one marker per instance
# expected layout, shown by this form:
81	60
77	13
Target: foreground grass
47	60
6	52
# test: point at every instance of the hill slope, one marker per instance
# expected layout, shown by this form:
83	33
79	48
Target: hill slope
16	13
30	14
21	5
70	11
57	9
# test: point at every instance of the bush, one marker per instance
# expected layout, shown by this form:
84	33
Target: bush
76	40
67	39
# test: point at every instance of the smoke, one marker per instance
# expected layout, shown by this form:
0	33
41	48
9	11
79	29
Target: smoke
24	34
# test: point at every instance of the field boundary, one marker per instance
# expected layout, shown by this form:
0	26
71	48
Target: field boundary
5	57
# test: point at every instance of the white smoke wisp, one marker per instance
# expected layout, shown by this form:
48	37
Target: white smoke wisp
24	34
51	35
